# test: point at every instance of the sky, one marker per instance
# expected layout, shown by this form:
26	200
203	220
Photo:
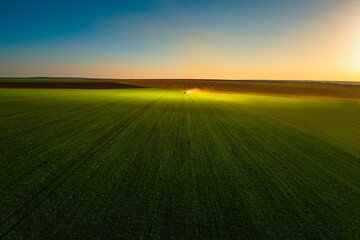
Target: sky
208	39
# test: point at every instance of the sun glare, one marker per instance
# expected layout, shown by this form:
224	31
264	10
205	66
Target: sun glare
353	60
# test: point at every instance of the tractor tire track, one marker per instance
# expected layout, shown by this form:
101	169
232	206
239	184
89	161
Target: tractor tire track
55	138
59	136
51	123
36	147
36	109
44	107
102	141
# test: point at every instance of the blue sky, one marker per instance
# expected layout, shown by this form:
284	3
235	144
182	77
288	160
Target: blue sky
179	39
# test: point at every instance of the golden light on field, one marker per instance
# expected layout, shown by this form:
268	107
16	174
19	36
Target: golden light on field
192	90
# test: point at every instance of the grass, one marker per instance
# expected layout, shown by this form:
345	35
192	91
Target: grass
147	163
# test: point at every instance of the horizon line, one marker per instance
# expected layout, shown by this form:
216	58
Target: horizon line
209	79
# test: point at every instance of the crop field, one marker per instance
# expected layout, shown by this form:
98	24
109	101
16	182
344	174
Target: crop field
343	92
148	163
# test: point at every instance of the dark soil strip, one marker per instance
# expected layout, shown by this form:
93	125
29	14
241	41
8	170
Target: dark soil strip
67	85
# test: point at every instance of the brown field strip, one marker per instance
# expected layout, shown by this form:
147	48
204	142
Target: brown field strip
67	85
173	84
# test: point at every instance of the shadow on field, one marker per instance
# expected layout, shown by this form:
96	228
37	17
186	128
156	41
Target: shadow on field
67	85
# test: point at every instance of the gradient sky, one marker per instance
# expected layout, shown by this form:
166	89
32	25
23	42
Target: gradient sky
254	39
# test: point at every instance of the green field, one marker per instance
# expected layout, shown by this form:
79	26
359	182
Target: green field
151	163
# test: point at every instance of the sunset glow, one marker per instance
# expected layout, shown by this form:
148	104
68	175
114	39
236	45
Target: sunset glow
356	59
310	40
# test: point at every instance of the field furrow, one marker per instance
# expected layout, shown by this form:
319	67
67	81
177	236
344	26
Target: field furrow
99	143
161	164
